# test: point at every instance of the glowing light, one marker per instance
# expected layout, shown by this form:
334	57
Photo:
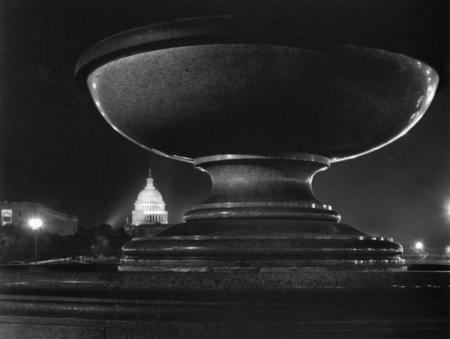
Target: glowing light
419	246
35	223
447	208
447	250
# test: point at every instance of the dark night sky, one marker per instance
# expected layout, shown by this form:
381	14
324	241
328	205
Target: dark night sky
56	149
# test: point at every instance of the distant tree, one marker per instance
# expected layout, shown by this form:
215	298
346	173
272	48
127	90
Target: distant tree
101	236
107	241
120	238
8	242
17	243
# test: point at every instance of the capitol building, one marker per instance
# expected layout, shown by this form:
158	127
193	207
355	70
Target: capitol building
149	207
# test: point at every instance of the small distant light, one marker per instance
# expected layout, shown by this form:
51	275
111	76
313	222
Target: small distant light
35	223
447	250
419	245
447	208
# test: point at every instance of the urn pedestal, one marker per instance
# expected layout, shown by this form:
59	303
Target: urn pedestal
261	107
261	213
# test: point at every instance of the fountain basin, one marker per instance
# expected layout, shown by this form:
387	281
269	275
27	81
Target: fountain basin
243	93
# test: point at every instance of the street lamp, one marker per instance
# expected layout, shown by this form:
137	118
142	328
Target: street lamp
418	246
35	224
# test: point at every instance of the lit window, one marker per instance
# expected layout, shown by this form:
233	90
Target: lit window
6	217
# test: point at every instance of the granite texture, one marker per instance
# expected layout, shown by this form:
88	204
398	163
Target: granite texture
262	106
258	99
261	212
310	303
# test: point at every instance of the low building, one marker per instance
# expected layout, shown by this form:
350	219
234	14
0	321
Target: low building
19	214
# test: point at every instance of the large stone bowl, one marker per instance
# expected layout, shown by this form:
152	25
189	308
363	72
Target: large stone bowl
228	85
261	106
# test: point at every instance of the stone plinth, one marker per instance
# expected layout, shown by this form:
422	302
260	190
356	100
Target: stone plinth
284	303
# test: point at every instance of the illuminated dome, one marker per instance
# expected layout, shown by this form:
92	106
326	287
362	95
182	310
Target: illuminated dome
149	207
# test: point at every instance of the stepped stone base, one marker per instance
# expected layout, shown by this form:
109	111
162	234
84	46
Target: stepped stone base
99	302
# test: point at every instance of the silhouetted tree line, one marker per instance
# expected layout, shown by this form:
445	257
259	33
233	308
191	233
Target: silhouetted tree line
17	243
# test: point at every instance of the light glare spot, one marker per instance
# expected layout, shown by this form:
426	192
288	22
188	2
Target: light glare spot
35	223
419	245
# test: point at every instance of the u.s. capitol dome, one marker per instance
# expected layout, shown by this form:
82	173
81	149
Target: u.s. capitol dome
149	207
